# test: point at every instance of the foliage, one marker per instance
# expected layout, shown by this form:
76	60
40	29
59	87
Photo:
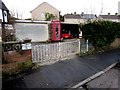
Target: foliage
10	38
25	65
101	33
14	70
49	16
12	19
118	34
61	18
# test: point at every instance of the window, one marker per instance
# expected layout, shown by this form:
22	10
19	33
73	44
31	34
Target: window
43	15
1	17
5	16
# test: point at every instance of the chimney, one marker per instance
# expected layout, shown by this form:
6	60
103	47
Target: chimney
82	13
116	14
74	12
108	13
95	16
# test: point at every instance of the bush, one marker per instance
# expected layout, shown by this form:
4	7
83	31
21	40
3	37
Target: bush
49	16
101	33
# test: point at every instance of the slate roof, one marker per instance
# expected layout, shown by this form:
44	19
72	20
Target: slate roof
72	16
109	16
2	6
88	16
78	16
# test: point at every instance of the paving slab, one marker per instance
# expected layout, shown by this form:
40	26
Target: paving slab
109	79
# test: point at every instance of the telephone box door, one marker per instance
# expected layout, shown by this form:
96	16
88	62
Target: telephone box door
56	30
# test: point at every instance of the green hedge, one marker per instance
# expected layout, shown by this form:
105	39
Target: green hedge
101	33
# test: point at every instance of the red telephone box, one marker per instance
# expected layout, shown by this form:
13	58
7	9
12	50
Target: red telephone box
55	30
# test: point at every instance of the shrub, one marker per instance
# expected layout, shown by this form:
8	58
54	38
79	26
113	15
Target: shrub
49	16
101	33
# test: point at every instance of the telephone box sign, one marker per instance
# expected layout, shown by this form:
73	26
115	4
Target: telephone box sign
55	30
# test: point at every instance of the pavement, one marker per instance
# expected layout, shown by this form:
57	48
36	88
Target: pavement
66	74
109	79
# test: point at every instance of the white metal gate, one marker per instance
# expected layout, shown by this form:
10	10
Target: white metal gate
45	53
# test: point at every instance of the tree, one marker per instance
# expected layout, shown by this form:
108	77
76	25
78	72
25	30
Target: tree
61	18
49	16
118	30
16	13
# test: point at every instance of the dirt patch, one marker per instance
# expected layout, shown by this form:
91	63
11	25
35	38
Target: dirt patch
13	56
15	62
11	67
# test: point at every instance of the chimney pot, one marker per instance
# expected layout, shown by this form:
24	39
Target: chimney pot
74	12
116	13
82	13
108	13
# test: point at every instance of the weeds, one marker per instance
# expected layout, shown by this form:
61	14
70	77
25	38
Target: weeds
16	70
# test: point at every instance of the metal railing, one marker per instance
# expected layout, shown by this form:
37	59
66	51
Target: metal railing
44	53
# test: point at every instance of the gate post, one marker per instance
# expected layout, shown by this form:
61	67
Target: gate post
79	46
87	44
59	50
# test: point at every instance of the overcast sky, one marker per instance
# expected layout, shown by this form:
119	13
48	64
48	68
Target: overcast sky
65	6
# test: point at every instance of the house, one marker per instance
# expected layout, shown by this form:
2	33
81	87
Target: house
79	18
119	8
7	30
88	17
119	11
4	12
75	18
41	10
109	17
4	19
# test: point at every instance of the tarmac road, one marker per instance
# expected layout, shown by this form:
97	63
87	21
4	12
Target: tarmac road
65	73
